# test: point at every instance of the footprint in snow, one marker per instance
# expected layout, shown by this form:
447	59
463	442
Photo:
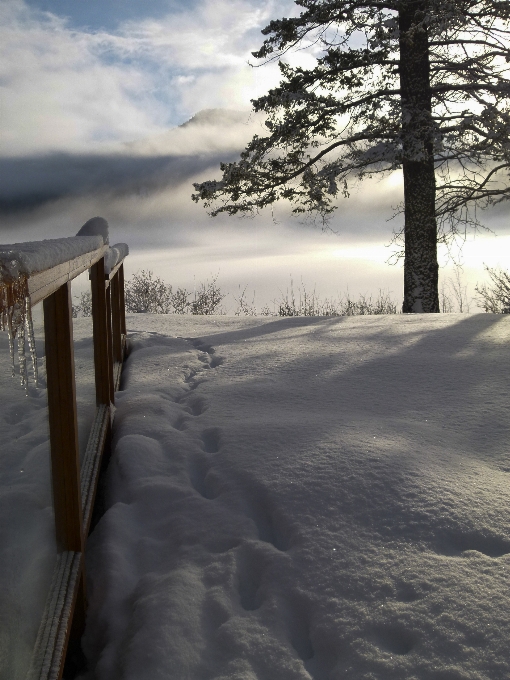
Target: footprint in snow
198	469
250	570
211	440
394	640
491	546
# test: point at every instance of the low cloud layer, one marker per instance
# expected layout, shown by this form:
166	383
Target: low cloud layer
30	183
137	170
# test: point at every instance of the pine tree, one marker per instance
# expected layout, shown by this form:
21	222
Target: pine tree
420	85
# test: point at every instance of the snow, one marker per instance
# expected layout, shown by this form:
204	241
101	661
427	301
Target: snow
96	226
27	528
31	257
306	498
114	255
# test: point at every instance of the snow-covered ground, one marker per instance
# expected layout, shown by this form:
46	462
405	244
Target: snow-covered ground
307	498
27	534
27	527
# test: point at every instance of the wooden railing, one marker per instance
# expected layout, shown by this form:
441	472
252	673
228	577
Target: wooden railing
74	485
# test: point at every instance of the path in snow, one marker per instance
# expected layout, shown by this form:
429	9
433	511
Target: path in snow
299	499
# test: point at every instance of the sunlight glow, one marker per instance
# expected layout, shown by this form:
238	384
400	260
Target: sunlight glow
396	179
372	252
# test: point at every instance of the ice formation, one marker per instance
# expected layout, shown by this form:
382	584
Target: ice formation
18	261
16	318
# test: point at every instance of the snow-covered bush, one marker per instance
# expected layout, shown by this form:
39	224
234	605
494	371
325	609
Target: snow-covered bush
180	302
146	293
244	308
207	299
84	306
453	294
495	296
383	304
310	304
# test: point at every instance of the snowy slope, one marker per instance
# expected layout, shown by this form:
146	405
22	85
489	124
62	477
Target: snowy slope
307	498
27	525
27	533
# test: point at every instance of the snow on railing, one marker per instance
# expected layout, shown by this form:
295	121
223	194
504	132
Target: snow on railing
21	263
18	263
42	271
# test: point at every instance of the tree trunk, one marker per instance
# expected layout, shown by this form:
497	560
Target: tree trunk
420	229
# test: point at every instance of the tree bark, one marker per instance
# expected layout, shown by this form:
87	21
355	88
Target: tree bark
420	229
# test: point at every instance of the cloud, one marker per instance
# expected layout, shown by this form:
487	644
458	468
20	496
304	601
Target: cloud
142	168
66	89
59	92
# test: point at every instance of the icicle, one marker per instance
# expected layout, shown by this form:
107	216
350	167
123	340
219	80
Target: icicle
22	357
15	317
11	340
31	339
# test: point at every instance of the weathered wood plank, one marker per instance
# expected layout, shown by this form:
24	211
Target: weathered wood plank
98	440
62	417
109	343
116	321
44	283
122	303
102	355
63	601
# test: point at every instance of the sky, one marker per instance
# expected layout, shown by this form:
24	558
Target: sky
96	99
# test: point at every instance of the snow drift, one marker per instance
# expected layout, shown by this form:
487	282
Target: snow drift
306	498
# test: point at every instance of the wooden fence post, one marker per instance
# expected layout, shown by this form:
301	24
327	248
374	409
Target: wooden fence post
101	320
116	318
65	454
109	338
122	301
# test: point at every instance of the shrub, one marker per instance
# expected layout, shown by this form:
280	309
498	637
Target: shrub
495	296
84	306
310	304
146	293
243	307
180	302
207	299
453	294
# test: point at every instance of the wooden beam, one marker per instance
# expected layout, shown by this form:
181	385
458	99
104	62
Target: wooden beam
56	630
65	455
116	268
73	497
90	470
101	325
116	321
44	283
122	301
109	343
